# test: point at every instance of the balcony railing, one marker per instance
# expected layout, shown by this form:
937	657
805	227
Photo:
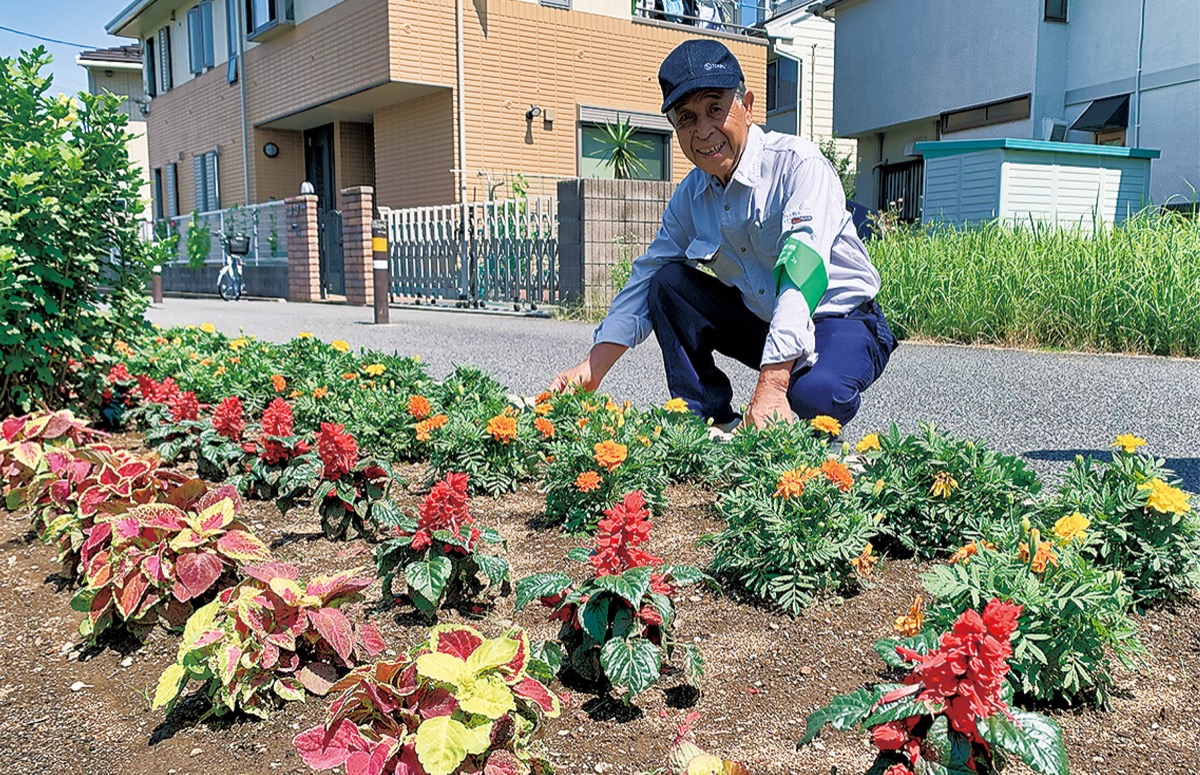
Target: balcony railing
738	17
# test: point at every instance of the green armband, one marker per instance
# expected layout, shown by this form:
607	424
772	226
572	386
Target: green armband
804	267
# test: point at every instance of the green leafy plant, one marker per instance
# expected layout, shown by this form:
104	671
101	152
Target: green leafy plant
460	703
793	532
843	164
741	460
616	625
199	241
1140	522
934	492
271	638
221	456
687	451
64	211
349	488
497	451
622	149
951	714
438	552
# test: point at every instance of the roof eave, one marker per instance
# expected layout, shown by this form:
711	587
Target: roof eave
126	17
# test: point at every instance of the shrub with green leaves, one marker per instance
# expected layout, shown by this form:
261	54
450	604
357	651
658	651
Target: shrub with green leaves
741	460
68	200
438	552
1074	625
497	449
688	454
934	492
793	531
616	625
1141	523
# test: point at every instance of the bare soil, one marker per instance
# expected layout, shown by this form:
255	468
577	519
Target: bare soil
764	672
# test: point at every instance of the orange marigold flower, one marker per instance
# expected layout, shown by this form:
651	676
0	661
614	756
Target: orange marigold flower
320	392
837	473
503	428
582	421
220	370
543	397
609	454
964	553
912	623
418	407
587	481
544	427
791	483
1042	557
611	406
826	424
279	383
233	361
124	349
543	409
864	563
349	376
157	340
425	427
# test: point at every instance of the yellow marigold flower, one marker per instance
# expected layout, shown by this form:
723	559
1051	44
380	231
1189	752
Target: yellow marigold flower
124	349
278	382
791	483
826	424
544	427
156	327
868	443
964	553
375	369
609	454
864	563
425	427
340	345
1164	498
587	481
295	394
676	405
208	328
837	473
418	407
543	409
503	428
239	343
176	341
1129	442
206	362
304	335
220	370
943	485
189	327
611	406
1073	526
320	392
911	624
645	440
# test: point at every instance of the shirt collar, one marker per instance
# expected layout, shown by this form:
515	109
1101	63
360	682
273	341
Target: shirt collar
749	168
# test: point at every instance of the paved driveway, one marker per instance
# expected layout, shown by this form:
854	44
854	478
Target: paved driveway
1045	406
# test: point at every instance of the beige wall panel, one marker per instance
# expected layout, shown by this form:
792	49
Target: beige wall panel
354	151
414	152
338	52
277	178
195	117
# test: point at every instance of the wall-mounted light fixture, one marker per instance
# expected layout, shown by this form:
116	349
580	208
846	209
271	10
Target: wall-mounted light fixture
533	112
270	150
142	105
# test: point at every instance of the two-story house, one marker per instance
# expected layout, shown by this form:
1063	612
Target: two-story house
429	101
1116	72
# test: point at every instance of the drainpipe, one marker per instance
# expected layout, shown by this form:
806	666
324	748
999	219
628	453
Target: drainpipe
240	10
462	147
812	93
1137	88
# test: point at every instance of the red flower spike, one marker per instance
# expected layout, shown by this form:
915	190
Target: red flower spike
228	419
624	527
338	450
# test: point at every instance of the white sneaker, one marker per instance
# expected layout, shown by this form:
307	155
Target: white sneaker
724	431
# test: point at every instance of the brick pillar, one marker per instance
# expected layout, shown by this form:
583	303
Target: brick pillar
303	251
357	207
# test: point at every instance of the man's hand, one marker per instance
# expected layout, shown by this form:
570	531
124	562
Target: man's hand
591	370
769	404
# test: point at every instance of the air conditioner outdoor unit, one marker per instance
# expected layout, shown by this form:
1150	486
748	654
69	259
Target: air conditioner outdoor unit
1054	129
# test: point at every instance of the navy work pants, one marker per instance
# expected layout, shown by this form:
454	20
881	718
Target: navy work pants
694	315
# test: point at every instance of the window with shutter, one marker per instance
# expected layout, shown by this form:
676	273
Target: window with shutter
200	38
172	190
151	73
165	82
206	181
231	37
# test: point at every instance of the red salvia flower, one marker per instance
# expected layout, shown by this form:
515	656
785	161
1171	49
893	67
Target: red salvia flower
277	423
119	373
228	419
623	529
444	508
184	406
338	450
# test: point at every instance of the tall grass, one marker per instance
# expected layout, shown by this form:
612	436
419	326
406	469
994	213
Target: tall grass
1129	288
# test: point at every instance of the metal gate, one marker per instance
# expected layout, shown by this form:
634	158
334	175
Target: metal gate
332	261
511	252
900	188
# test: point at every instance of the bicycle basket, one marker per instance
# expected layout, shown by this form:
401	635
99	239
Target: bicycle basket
238	244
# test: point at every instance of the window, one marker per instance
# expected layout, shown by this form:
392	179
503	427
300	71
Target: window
1001	112
151	69
231	37
262	15
594	150
206	177
1056	10
165	82
557	3
171	183
783	85
1112	137
200	38
160	210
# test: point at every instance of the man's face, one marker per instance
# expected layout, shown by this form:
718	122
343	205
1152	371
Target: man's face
712	128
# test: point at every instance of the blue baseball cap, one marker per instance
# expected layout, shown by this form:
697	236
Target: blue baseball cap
702	63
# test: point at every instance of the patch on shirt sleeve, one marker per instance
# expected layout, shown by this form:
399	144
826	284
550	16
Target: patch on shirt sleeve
797	217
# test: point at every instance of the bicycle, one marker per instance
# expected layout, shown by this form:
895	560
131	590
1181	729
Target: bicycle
230	282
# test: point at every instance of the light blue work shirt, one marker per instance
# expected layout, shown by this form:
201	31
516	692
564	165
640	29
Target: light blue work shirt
783	185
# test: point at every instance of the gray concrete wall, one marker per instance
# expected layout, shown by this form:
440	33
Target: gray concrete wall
269	280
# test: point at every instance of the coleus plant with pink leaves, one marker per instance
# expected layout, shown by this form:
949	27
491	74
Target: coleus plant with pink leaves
26	439
271	638
156	560
459	703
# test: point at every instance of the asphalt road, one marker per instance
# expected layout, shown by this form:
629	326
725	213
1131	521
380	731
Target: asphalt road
1045	406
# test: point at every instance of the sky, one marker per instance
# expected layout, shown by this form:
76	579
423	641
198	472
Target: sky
74	21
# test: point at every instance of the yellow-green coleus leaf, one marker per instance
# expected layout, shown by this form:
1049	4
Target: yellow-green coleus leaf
492	653
169	684
486	695
441	744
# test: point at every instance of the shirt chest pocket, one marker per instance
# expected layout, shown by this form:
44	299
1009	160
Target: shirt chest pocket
765	234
